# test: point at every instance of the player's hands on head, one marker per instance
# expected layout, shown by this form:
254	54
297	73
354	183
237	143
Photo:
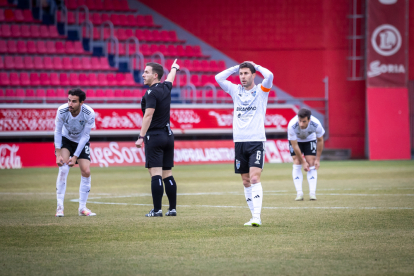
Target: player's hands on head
72	161
254	64
139	143
175	65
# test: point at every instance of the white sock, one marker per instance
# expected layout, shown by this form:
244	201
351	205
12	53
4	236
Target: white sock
84	189
312	178
61	184
257	194
297	178
248	195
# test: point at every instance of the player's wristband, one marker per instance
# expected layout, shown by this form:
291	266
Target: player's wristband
175	68
140	137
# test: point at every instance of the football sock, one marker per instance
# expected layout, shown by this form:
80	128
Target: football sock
312	178
61	184
171	191
84	189
157	191
257	194
297	178
248	195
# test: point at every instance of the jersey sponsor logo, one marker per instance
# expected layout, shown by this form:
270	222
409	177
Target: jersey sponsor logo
246	108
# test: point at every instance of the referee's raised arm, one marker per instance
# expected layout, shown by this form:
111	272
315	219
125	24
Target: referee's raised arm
174	69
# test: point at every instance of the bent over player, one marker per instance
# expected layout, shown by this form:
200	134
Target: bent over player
305	135
249	136
73	124
157	136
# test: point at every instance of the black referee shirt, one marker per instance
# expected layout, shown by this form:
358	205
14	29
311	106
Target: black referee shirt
158	96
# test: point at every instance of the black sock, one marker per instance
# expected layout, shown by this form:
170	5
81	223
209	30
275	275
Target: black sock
157	191
171	191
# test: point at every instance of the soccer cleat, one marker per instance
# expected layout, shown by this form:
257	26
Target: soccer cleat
86	212
249	223
171	213
299	198
59	212
312	197
154	214
256	222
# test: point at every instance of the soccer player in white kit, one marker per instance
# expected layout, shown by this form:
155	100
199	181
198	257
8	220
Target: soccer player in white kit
73	124
305	135
250	102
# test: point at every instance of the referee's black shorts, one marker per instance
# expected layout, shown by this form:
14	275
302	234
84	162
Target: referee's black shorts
159	150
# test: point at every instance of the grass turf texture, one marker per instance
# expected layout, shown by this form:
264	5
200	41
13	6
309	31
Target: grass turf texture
295	239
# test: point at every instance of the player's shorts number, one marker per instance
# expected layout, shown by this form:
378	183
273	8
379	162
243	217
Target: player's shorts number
87	150
258	155
313	146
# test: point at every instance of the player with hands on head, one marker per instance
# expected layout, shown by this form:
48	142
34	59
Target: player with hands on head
305	135
250	102
157	137
73	124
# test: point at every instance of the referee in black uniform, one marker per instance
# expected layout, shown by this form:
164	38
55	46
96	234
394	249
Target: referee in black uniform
157	136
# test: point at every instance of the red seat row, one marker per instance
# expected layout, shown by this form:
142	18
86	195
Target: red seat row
54	63
196	65
60	95
106	5
9	15
29	31
121	20
142	35
41	47
63	79
167	50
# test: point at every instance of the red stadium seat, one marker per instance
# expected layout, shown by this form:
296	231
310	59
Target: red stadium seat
60	47
9	60
35	31
9	15
61	95
11	46
197	66
197	51
24	79
188	51
6	31
181	51
4	79
105	17
38	63
44	31
118	93
40	95
90	95
109	95
25	31
93	81
96	18
204	66
95	65
20	95
129	33
10	96
153	48
15	31
54	79
137	93
120	34
145	49
2	19
102	80
195	80
53	32
149	21
28	16
164	36
34	79
104	64
111	80
47	62
50	96
129	80
66	63
14	79
74	79
18	15
76	63
50	47
44	79
86	63
204	80
31	96
221	65
213	66
115	19
78	48
140	34
31	47
41	47
28	62
57	63
69	47
172	51
130	19
83	79
1	63
99	96
140	21
148	35
3	47
119	79
64	79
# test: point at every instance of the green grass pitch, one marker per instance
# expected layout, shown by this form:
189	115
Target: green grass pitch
361	224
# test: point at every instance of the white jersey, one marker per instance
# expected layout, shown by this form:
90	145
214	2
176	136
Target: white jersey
313	131
75	129
249	105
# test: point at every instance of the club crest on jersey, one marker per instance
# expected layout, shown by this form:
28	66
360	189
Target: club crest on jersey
237	164
254	93
82	122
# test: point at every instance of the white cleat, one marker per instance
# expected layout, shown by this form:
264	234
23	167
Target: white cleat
299	198
312	197
59	212
256	222
85	212
249	223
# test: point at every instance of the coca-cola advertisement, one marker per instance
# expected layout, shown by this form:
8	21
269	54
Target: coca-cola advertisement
387	43
111	154
36	121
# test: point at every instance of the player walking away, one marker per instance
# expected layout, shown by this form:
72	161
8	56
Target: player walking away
157	136
305	134
249	136
73	124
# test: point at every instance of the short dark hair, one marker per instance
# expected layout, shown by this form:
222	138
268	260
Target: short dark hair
157	68
78	92
303	112
248	65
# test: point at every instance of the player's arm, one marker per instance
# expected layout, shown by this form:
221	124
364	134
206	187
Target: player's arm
173	72
146	122
83	140
319	149
267	82
58	139
298	153
221	78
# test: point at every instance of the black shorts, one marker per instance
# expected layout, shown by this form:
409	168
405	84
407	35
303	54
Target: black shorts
72	146
307	148
248	154
159	150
